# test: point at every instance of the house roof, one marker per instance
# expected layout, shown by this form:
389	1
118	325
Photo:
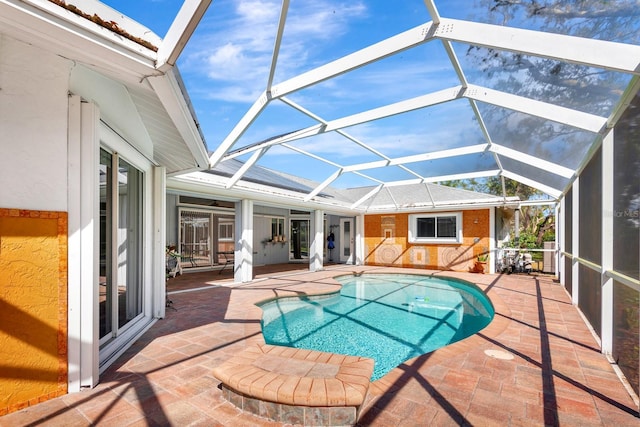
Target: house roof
279	188
427	196
141	97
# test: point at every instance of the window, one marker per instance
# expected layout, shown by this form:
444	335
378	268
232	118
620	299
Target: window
225	230
435	228
277	230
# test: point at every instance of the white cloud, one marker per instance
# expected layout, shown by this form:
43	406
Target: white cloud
391	141
233	63
235	55
235	46
323	20
234	94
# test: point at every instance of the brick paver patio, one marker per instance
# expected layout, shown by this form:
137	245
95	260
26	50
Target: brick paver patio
536	364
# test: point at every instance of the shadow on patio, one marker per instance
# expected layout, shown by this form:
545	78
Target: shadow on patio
536	364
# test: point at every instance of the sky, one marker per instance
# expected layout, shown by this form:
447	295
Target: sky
225	67
226	63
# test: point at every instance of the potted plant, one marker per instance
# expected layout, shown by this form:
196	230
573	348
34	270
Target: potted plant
480	264
173	267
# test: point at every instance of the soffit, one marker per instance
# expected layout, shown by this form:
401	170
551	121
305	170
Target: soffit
147	107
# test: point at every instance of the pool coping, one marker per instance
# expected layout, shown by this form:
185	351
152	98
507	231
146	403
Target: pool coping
294	385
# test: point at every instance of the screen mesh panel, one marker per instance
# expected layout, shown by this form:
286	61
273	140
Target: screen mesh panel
568	244
590	210
626	332
590	296
626	190
590	229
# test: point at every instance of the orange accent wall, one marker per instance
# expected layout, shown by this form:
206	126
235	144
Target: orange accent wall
387	243
33	307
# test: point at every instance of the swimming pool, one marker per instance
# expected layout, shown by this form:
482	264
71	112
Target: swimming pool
388	317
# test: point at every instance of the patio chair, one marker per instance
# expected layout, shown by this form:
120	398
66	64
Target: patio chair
173	266
228	259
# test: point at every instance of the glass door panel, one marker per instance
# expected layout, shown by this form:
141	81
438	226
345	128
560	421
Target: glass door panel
129	242
120	281
105	281
346	241
299	246
195	238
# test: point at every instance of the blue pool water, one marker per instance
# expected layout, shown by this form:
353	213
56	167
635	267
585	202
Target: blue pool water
388	317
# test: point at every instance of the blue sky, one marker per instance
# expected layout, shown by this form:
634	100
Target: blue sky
225	67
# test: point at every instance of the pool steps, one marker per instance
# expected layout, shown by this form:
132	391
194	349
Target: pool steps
296	386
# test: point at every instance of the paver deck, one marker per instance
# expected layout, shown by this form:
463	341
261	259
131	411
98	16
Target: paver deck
536	364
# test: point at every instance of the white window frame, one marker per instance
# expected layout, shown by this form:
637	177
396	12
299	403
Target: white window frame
413	228
224	224
109	351
281	226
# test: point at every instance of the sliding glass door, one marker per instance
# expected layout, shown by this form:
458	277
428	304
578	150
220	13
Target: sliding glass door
121	218
195	238
206	237
299	244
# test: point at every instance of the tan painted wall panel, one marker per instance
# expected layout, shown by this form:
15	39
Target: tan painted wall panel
387	243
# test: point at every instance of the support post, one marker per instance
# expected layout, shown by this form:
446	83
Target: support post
316	250
359	240
607	243
243	259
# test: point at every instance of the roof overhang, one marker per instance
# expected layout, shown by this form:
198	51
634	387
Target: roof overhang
208	185
211	185
157	95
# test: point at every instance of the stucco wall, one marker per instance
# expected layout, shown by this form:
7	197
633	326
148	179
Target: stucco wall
387	243
33	307
33	224
33	119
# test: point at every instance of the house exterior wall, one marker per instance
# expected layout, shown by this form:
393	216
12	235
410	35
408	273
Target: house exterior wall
387	243
33	225
33	308
33	119
266	252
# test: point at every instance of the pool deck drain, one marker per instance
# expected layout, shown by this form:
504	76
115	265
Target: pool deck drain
499	354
